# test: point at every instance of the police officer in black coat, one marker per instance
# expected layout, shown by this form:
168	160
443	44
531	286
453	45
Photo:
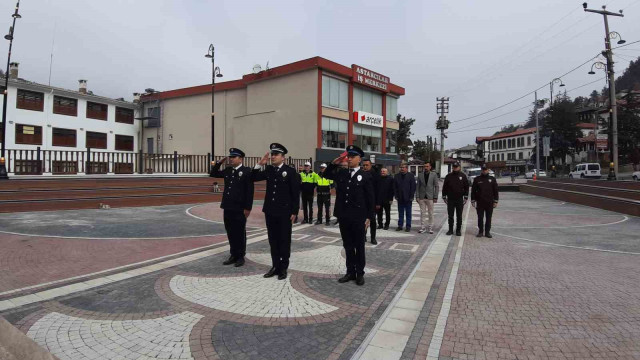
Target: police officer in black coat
281	205
237	202
484	197
455	193
355	203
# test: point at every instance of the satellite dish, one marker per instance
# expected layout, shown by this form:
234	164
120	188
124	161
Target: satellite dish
257	68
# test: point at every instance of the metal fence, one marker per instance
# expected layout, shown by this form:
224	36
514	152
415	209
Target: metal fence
61	162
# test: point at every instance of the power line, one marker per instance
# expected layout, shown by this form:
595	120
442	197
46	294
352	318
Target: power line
625	44
488	127
495	117
587	84
525	95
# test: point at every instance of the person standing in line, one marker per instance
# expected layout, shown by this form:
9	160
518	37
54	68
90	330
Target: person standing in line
356	203
384	197
455	193
484	197
324	194
367	167
309	180
281	204
427	195
404	188
237	201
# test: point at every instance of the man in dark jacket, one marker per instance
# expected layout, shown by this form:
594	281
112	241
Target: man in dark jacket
281	204
484	197
384	197
237	202
455	193
355	205
368	167
404	189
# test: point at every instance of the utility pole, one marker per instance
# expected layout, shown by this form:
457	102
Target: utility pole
612	83
535	114
442	108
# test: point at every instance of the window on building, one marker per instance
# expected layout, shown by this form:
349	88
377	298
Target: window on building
64	137
367	101
28	134
528	140
392	142
502	157
368	138
335	93
96	140
521	156
65	106
30	100
124	143
1	132
124	115
97	111
493	157
153	112
392	108
334	133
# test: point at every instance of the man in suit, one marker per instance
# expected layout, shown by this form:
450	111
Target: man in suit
484	197
404	188
384	198
237	202
281	204
368	167
355	202
427	195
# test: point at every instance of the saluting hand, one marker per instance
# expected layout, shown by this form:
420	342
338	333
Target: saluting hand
264	160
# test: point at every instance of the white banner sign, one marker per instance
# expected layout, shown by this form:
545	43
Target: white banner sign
366	118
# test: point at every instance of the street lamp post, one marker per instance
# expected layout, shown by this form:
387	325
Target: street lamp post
556	80
215	72
3	168
612	83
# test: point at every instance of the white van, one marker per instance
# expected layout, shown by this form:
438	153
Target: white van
586	170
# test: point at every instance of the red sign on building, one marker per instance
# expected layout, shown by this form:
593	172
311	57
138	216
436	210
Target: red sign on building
369	78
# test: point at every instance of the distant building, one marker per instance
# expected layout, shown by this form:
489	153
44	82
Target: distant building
61	123
508	151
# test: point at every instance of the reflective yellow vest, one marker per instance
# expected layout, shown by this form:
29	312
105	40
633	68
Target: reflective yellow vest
308	178
322	181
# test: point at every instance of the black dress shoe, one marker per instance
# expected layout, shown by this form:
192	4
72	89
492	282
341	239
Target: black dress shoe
270	273
407	229
347	278
305	221
327	223
318	222
360	280
379	226
458	233
374	242
450	232
399	228
231	260
386	227
479	234
488	235
282	275
239	262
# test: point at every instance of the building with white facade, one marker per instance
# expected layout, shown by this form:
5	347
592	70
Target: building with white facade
51	130
508	151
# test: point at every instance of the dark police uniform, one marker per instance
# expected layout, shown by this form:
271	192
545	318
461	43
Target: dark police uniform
237	197
484	192
455	191
324	196
280	202
355	203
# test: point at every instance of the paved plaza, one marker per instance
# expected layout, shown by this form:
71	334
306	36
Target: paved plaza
557	281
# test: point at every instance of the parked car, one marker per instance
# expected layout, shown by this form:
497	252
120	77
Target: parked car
529	174
586	170
636	176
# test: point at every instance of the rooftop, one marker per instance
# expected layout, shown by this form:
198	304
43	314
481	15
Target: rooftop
506	135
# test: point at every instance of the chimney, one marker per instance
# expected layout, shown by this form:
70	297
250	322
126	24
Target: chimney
136	98
83	86
13	70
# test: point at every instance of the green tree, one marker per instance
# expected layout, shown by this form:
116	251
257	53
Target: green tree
560	123
420	150
404	133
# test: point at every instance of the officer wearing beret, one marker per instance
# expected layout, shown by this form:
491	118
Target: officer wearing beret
281	205
237	202
355	204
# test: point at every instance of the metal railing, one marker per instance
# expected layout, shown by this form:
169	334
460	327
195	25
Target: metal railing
91	162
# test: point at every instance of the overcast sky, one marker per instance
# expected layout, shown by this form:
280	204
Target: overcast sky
482	54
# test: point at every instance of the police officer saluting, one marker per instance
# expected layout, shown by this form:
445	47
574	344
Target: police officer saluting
484	197
355	204
455	192
237	202
281	205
